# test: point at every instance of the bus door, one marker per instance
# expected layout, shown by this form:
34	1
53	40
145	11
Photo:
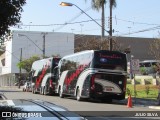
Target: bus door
68	82
55	77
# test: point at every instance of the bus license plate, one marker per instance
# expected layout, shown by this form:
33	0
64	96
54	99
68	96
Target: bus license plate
108	89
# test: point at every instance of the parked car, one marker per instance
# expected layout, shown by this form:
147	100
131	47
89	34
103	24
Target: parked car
22	82
2	96
26	87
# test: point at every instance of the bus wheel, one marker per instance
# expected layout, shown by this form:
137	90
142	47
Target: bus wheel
78	95
45	90
33	91
61	93
41	91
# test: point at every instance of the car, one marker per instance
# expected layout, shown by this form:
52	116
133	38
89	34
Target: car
2	96
29	109
26	87
22	82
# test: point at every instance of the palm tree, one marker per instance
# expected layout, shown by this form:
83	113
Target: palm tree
99	4
112	4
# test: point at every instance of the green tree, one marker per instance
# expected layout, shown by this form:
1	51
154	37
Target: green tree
27	63
155	47
154	51
10	15
92	44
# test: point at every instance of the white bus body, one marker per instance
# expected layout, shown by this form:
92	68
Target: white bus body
93	74
42	78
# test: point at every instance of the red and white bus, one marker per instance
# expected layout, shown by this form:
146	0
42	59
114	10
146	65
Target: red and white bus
93	74
42	76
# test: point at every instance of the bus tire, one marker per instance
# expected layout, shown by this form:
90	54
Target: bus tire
50	92
78	97
45	90
40	91
33	91
61	93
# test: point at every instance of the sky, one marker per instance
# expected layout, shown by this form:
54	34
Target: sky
131	18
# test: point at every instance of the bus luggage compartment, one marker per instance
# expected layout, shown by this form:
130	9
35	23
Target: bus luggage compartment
110	86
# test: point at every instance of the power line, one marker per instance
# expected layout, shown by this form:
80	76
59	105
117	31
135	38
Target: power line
144	30
67	23
73	18
78	22
133	22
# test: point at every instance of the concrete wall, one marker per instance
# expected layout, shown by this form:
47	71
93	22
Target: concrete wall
32	44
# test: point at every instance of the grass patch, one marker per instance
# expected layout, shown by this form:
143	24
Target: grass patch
142	90
138	81
148	81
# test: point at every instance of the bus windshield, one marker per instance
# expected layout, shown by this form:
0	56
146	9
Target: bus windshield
110	60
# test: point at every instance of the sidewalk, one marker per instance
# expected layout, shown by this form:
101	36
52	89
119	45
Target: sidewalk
150	103
10	88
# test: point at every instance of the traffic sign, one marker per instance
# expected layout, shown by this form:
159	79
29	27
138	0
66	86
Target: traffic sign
135	66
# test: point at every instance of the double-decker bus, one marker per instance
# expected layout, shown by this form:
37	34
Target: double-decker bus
98	74
42	76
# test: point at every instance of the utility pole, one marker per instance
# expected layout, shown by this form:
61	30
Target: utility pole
20	71
44	40
110	30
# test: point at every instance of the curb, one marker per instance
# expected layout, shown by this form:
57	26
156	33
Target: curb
139	102
154	107
11	88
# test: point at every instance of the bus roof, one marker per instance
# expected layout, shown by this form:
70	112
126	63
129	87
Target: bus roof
88	51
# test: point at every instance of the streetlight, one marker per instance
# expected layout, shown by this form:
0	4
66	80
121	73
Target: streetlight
22	35
71	4
20	70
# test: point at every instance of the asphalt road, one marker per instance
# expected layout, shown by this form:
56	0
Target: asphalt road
90	109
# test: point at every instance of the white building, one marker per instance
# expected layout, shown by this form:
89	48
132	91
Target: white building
31	43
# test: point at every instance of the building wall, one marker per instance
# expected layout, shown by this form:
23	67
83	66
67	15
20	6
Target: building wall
139	47
7	55
55	44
